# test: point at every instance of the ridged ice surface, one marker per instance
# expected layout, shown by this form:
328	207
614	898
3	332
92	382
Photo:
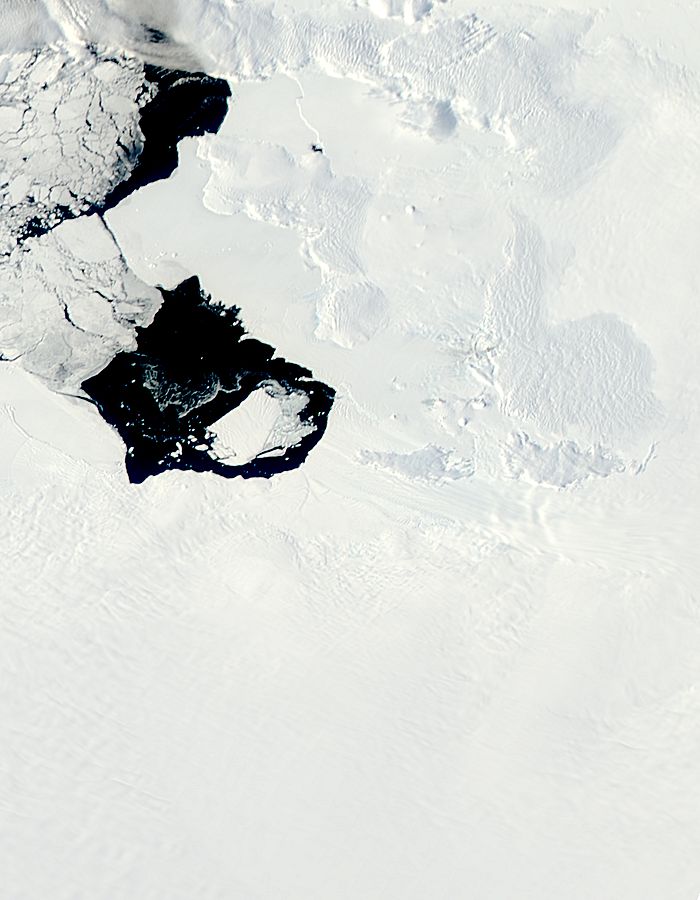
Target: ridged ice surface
451	651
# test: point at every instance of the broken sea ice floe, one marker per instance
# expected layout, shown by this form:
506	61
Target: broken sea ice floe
192	366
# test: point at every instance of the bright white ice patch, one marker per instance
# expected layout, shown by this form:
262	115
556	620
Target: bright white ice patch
455	654
267	422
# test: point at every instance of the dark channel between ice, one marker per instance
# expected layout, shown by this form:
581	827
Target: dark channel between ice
185	105
192	365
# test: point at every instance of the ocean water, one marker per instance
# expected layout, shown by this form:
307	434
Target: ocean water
450	652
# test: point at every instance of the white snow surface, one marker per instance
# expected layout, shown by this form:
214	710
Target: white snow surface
455	654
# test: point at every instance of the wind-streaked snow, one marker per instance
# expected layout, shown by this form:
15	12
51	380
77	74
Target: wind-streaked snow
455	654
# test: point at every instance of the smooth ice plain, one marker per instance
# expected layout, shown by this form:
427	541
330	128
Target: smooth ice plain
455	654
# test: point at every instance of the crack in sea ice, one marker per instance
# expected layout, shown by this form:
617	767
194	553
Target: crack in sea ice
85	128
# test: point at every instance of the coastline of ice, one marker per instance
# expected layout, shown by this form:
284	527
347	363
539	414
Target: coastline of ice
366	678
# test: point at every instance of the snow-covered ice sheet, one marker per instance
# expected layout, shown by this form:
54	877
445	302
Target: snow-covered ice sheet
455	653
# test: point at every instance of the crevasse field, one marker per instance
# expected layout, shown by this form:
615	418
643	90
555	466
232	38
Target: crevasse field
455	654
